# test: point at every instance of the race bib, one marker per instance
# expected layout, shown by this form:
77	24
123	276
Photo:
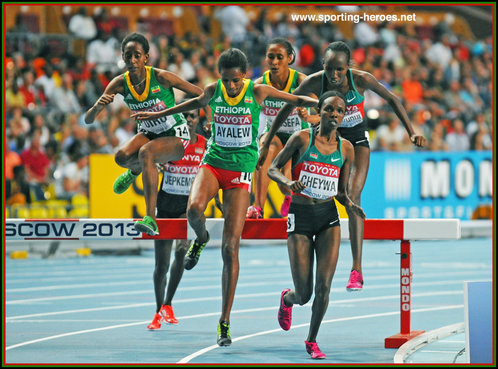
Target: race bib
246	177
233	130
353	117
291	222
178	179
158	125
181	131
291	124
321	180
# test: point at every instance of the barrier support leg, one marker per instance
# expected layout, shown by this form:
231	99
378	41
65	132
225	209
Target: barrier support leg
405	334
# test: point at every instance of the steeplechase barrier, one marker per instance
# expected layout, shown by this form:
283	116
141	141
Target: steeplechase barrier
404	230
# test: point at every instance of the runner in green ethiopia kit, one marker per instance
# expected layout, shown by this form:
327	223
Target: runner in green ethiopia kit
158	140
279	55
228	164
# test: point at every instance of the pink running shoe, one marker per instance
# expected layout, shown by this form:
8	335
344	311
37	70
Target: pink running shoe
313	349
254	212
355	281
284	209
284	313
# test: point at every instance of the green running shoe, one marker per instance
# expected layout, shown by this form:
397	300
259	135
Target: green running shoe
147	225
194	253
224	338
124	181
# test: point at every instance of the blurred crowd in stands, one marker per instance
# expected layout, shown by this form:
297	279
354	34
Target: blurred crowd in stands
444	81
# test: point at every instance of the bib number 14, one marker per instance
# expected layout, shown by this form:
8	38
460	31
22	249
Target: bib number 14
182	132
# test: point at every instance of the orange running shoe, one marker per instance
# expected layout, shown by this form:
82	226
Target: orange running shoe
156	322
168	315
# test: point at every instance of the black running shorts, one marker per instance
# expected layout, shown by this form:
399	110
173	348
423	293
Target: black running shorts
311	220
358	136
171	206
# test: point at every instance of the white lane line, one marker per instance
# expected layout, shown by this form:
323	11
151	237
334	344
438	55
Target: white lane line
139	292
214	298
73	334
72	274
145	277
185	280
217	313
56	320
73	286
214	277
9	319
196	288
178	301
101	329
188	358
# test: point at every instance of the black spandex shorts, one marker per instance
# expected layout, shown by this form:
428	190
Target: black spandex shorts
358	137
311	220
171	206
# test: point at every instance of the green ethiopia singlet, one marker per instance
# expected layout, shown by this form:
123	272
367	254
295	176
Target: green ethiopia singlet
233	144
271	107
154	98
